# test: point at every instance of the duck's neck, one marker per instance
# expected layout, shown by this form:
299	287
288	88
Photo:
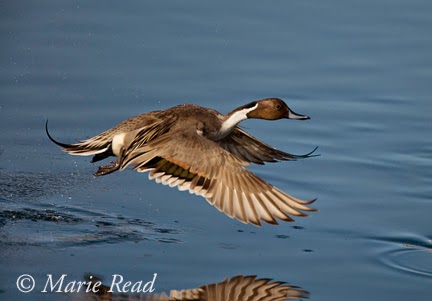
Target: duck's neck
234	117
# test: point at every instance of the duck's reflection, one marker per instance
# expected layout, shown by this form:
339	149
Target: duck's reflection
237	288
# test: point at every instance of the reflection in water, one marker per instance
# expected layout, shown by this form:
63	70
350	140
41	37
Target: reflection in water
238	288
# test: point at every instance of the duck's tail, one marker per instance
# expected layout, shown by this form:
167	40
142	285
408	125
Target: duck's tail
99	146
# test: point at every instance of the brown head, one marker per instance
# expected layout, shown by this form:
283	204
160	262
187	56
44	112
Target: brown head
272	109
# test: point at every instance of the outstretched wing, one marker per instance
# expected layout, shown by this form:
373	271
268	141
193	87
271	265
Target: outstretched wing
248	148
242	288
238	288
192	162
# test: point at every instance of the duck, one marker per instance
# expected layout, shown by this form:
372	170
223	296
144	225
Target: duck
204	152
240	288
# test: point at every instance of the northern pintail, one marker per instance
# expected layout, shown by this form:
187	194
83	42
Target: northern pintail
238	288
200	150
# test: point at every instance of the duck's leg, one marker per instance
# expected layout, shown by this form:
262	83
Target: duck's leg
104	170
107	169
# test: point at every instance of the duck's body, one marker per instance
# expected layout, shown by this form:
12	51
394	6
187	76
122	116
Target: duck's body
203	151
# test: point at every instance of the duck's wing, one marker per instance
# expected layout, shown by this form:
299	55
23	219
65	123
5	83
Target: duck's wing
250	149
242	288
192	162
238	288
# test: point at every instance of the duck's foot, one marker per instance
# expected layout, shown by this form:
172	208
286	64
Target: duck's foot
104	170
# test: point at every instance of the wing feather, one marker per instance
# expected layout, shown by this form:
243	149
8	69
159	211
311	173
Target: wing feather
217	175
250	149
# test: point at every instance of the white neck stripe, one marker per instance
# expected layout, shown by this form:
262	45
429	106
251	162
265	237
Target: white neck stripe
234	119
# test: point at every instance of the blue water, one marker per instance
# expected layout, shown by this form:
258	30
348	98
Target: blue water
361	69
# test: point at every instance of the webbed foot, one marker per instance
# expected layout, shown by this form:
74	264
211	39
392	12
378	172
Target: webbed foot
107	169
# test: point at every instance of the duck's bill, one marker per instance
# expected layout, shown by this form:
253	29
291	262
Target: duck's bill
294	115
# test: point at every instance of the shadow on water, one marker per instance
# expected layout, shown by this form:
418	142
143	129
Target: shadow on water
239	288
27	219
408	253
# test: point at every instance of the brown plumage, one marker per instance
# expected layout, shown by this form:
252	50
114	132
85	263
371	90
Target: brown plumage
202	151
238	288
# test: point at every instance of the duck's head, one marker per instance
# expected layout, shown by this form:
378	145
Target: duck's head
268	108
272	109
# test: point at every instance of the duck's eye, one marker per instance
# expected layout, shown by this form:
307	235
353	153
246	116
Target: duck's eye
278	106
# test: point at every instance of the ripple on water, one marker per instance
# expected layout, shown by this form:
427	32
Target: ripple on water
408	253
68	226
27	219
31	186
36	226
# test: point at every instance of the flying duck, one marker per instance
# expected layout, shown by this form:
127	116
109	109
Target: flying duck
200	150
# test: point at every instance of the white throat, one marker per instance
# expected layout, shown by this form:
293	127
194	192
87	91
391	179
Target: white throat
233	120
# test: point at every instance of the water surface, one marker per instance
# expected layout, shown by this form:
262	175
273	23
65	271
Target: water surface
361	70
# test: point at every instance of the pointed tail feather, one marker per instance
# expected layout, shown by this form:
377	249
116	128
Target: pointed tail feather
83	148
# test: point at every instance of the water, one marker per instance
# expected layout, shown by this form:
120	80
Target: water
361	70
